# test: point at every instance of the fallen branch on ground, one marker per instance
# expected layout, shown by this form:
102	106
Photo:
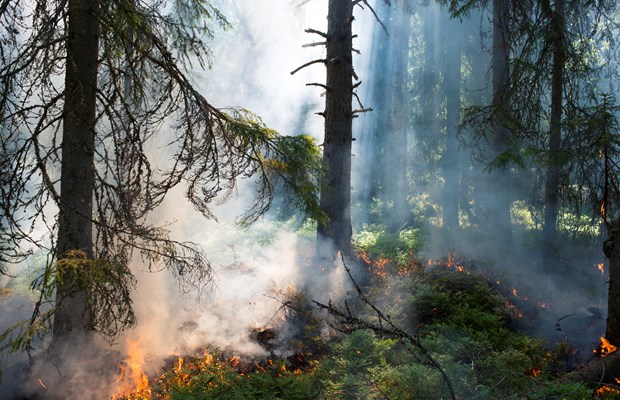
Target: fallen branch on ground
383	326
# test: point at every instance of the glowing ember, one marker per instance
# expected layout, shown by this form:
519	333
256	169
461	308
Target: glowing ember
234	361
601	267
608	391
605	348
132	378
516	294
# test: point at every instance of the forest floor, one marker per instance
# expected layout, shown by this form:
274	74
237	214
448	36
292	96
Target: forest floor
435	329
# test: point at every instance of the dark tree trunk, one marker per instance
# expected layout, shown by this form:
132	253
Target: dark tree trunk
335	197
451	161
555	136
396	151
612	251
501	179
75	228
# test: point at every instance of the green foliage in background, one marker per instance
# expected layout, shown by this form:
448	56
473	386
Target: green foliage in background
399	247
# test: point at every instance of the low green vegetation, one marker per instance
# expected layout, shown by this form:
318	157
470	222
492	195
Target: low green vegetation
466	320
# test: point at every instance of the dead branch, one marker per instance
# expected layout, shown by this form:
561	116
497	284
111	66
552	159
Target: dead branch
319	85
360	111
372	10
357	97
384	326
323	34
308	64
314	44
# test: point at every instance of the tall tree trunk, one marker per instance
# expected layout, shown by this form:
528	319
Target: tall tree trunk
75	228
451	161
501	177
555	137
395	177
335	198
612	251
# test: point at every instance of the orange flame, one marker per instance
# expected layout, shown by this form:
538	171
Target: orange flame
601	267
535	372
608	390
132	378
605	348
234	361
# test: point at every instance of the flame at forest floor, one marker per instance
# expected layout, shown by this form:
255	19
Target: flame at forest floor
132	378
605	348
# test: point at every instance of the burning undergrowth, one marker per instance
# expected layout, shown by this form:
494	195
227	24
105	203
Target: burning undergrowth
216	374
286	368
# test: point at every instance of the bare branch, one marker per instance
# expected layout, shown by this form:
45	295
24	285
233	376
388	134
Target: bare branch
319	85
308	64
361	110
375	15
358	100
313	44
384	326
323	34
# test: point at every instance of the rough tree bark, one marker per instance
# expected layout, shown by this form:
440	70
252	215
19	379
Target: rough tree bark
75	228
335	198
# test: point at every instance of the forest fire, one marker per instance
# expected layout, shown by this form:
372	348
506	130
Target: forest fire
132	379
605	348
449	263
376	267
